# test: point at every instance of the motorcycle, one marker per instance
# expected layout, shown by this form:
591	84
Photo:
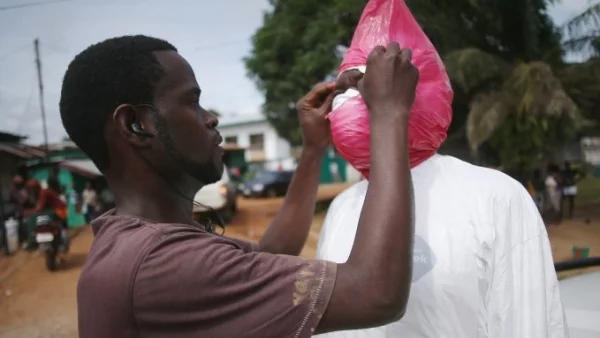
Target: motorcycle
49	236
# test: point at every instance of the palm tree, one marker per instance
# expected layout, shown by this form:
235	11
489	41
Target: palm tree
499	89
518	108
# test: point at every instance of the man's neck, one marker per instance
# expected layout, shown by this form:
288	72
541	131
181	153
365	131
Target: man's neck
155	201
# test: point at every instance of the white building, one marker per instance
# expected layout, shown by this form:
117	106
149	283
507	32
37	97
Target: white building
591	150
259	138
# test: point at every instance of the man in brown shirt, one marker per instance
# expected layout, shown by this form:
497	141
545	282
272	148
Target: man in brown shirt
132	104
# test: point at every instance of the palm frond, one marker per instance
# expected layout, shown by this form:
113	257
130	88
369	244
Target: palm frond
588	19
586	44
486	114
537	91
469	68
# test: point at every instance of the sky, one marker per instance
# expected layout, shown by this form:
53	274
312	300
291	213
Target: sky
214	36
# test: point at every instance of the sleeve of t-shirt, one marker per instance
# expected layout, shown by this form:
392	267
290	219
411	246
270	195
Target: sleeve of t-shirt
524	298
247	246
198	285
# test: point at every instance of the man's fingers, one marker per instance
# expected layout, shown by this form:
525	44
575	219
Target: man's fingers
406	54
319	92
378	50
323	88
393	48
326	107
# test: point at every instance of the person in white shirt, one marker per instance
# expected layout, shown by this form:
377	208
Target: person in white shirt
90	201
553	193
483	264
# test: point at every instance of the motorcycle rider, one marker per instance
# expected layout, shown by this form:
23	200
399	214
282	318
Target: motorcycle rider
47	202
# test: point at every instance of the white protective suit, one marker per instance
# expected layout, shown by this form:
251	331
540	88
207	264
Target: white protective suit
482	259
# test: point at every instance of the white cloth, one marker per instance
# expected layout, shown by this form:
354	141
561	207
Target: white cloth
551	182
483	264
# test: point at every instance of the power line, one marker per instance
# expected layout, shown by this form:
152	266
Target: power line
18	50
32	4
25	110
55	49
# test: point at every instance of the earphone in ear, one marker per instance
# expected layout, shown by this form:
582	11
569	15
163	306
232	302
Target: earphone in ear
138	130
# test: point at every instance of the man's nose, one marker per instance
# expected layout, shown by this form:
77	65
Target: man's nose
212	121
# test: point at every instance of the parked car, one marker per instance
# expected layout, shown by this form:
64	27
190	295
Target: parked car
267	184
220	196
581	298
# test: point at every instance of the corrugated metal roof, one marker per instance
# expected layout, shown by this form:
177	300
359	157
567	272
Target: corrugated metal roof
83	167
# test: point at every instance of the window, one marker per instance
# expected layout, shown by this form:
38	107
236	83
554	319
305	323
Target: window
231	140
257	142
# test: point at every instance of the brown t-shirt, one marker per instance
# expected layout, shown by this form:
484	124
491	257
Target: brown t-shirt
144	279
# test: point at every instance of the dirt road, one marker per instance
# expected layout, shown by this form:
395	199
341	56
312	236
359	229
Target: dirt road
38	304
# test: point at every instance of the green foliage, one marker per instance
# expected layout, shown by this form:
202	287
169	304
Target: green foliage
520	142
296	47
582	83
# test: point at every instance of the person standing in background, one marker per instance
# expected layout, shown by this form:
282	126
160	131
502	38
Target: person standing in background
569	188
553	193
537	183
90	201
18	197
108	199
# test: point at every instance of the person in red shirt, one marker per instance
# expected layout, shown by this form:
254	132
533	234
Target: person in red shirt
47	201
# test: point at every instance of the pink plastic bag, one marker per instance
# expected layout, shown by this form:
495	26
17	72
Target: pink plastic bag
383	21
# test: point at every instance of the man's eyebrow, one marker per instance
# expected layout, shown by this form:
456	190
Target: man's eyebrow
193	91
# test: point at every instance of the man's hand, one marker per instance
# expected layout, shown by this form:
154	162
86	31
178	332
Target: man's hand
348	79
390	81
312	109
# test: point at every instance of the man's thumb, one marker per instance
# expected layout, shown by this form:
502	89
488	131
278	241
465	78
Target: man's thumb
327	104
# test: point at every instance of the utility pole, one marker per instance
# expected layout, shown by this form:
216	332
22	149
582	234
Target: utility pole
38	63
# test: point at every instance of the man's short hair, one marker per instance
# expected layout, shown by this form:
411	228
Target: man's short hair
122	70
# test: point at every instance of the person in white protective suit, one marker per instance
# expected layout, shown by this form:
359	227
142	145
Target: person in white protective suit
483	265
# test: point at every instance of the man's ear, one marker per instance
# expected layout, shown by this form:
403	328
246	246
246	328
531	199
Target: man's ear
125	116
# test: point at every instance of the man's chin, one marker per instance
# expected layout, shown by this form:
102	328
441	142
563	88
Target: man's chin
215	174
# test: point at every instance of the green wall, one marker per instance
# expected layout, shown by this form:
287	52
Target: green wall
66	178
326	174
